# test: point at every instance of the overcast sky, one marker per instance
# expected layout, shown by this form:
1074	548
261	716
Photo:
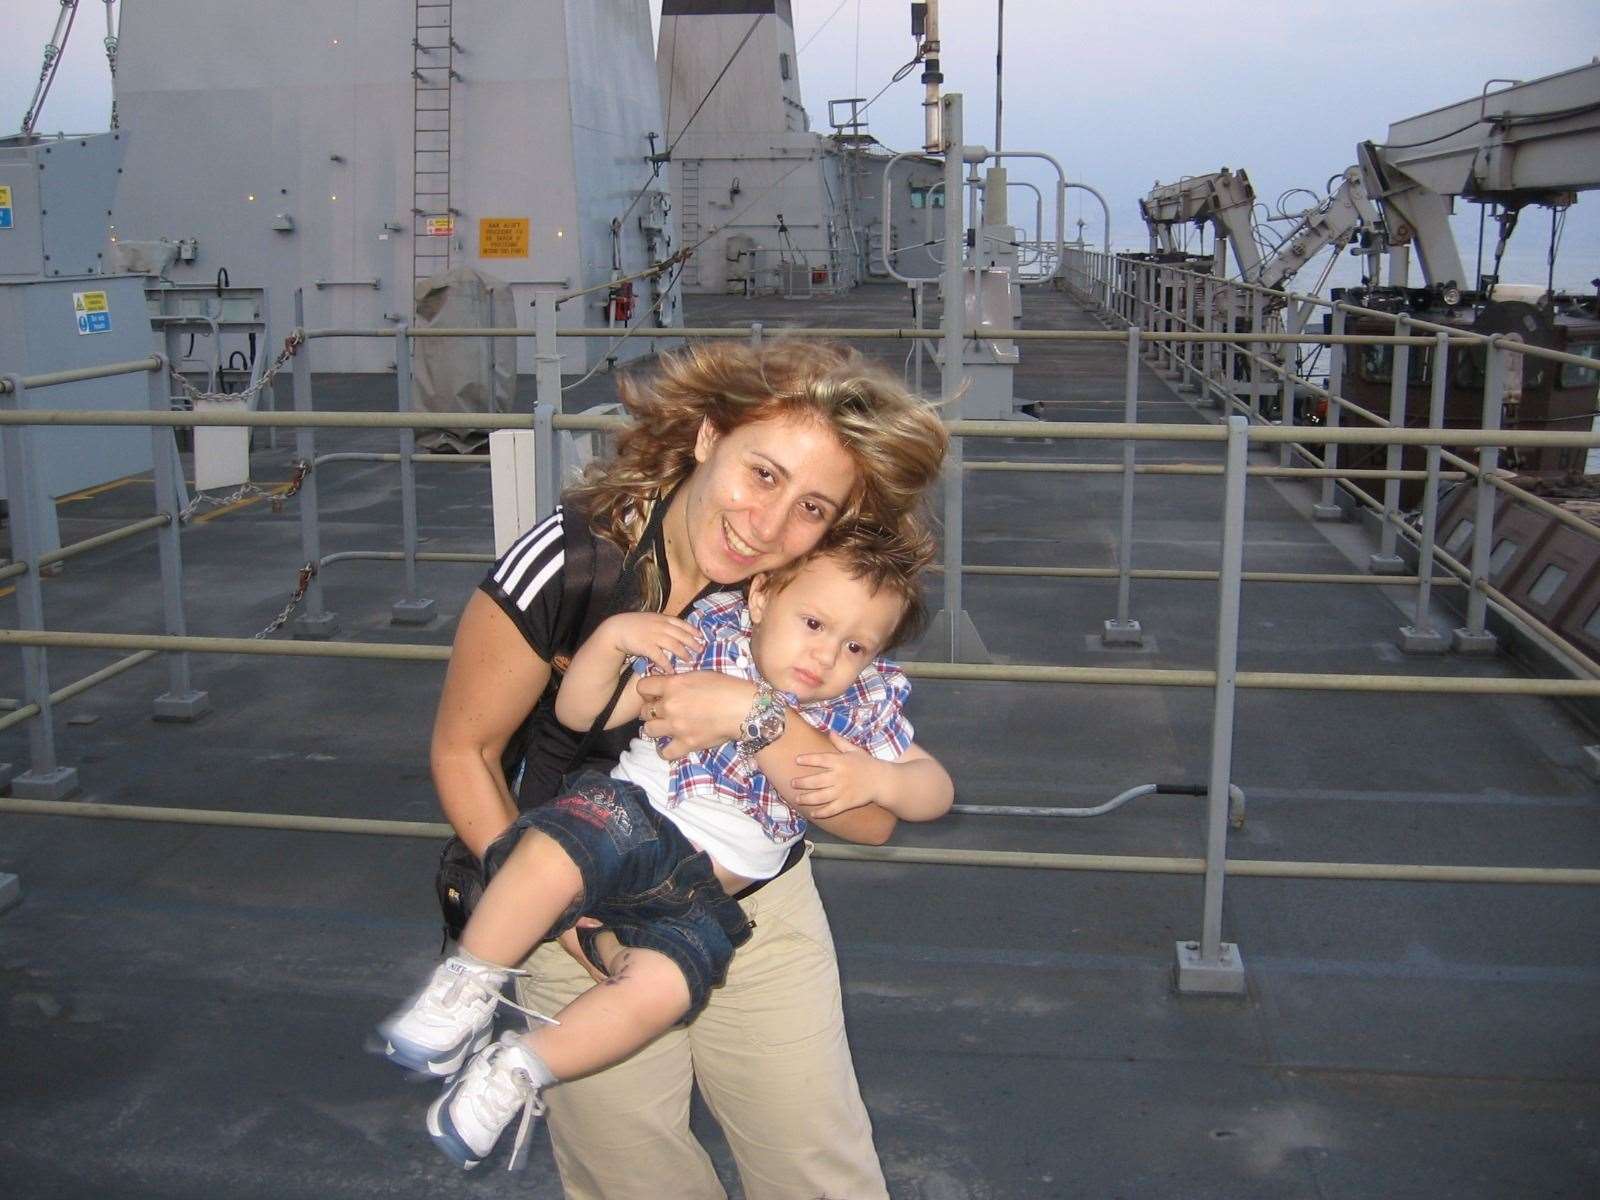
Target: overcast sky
1122	92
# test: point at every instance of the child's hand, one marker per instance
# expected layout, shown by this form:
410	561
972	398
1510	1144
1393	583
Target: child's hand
651	635
844	780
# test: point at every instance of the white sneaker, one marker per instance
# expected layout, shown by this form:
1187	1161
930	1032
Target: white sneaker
500	1082
450	1019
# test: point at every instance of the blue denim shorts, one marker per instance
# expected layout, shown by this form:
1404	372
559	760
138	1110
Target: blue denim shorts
642	879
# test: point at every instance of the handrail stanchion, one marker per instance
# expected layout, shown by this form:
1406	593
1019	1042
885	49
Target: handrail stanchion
1386	561
1474	637
1230	348
1212	965
45	778
1258	351
952	383
1420	637
546	403
1289	352
1328	508
1148	295
1208	360
315	623
1186	369
181	701
410	609
1122	630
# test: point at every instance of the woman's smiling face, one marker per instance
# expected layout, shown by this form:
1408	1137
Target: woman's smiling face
763	494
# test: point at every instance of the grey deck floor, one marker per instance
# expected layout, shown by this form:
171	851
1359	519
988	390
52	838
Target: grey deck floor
182	1008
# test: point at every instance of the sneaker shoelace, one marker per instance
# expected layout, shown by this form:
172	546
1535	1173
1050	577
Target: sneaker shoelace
443	996
505	1090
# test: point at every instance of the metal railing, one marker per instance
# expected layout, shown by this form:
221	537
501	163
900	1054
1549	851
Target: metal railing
1174	339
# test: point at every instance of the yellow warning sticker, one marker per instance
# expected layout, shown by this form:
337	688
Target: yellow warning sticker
5	206
92	312
503	237
441	226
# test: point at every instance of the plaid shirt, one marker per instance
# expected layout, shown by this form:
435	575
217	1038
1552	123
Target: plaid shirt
868	714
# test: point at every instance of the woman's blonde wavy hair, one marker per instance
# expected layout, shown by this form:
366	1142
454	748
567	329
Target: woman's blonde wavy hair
896	440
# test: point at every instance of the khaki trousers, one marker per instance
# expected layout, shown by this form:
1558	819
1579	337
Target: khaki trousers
773	1064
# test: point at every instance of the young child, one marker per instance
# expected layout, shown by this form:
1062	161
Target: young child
656	851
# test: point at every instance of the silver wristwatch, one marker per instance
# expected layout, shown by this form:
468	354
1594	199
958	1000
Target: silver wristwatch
764	723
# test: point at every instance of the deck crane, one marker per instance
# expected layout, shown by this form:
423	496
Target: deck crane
1531	143
1225	200
1222	199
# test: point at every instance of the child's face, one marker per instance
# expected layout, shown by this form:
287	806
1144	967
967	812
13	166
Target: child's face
816	635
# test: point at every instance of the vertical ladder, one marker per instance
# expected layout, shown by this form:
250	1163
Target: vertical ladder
433	73
689	214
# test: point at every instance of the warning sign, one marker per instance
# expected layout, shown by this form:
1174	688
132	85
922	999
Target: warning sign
440	226
503	237
92	312
5	206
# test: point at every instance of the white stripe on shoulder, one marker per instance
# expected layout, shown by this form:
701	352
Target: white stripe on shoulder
525	597
529	549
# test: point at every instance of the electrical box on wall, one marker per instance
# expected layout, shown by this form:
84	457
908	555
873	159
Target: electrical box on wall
59	194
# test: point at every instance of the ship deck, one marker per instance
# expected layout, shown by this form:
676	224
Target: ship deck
184	1006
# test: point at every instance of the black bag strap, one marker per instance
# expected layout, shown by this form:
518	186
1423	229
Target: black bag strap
652	541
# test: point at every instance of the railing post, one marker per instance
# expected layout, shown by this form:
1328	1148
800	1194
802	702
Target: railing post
1186	376
1328	508
1258	352
180	702
1386	561
1420	637
756	329
1289	352
45	778
1229	348
1169	321
1122	630
546	403
1212	965
315	623
1474	637
410	609
1208	361
952	625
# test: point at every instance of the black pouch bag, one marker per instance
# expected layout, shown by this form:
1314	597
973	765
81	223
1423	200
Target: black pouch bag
590	563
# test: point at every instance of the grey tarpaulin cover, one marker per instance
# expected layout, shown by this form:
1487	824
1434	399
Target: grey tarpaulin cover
463	374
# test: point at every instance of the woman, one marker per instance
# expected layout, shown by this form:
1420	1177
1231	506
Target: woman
739	460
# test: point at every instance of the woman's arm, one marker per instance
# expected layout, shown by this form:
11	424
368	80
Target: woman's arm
700	709
493	682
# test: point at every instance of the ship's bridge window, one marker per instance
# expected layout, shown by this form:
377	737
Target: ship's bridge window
1572	375
1459	537
926	197
1376	364
1547	585
1500	558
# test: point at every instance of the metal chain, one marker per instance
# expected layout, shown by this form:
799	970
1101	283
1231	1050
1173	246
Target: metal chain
205	500
307	573
291	344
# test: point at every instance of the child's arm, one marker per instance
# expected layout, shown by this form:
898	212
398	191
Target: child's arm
914	787
597	665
